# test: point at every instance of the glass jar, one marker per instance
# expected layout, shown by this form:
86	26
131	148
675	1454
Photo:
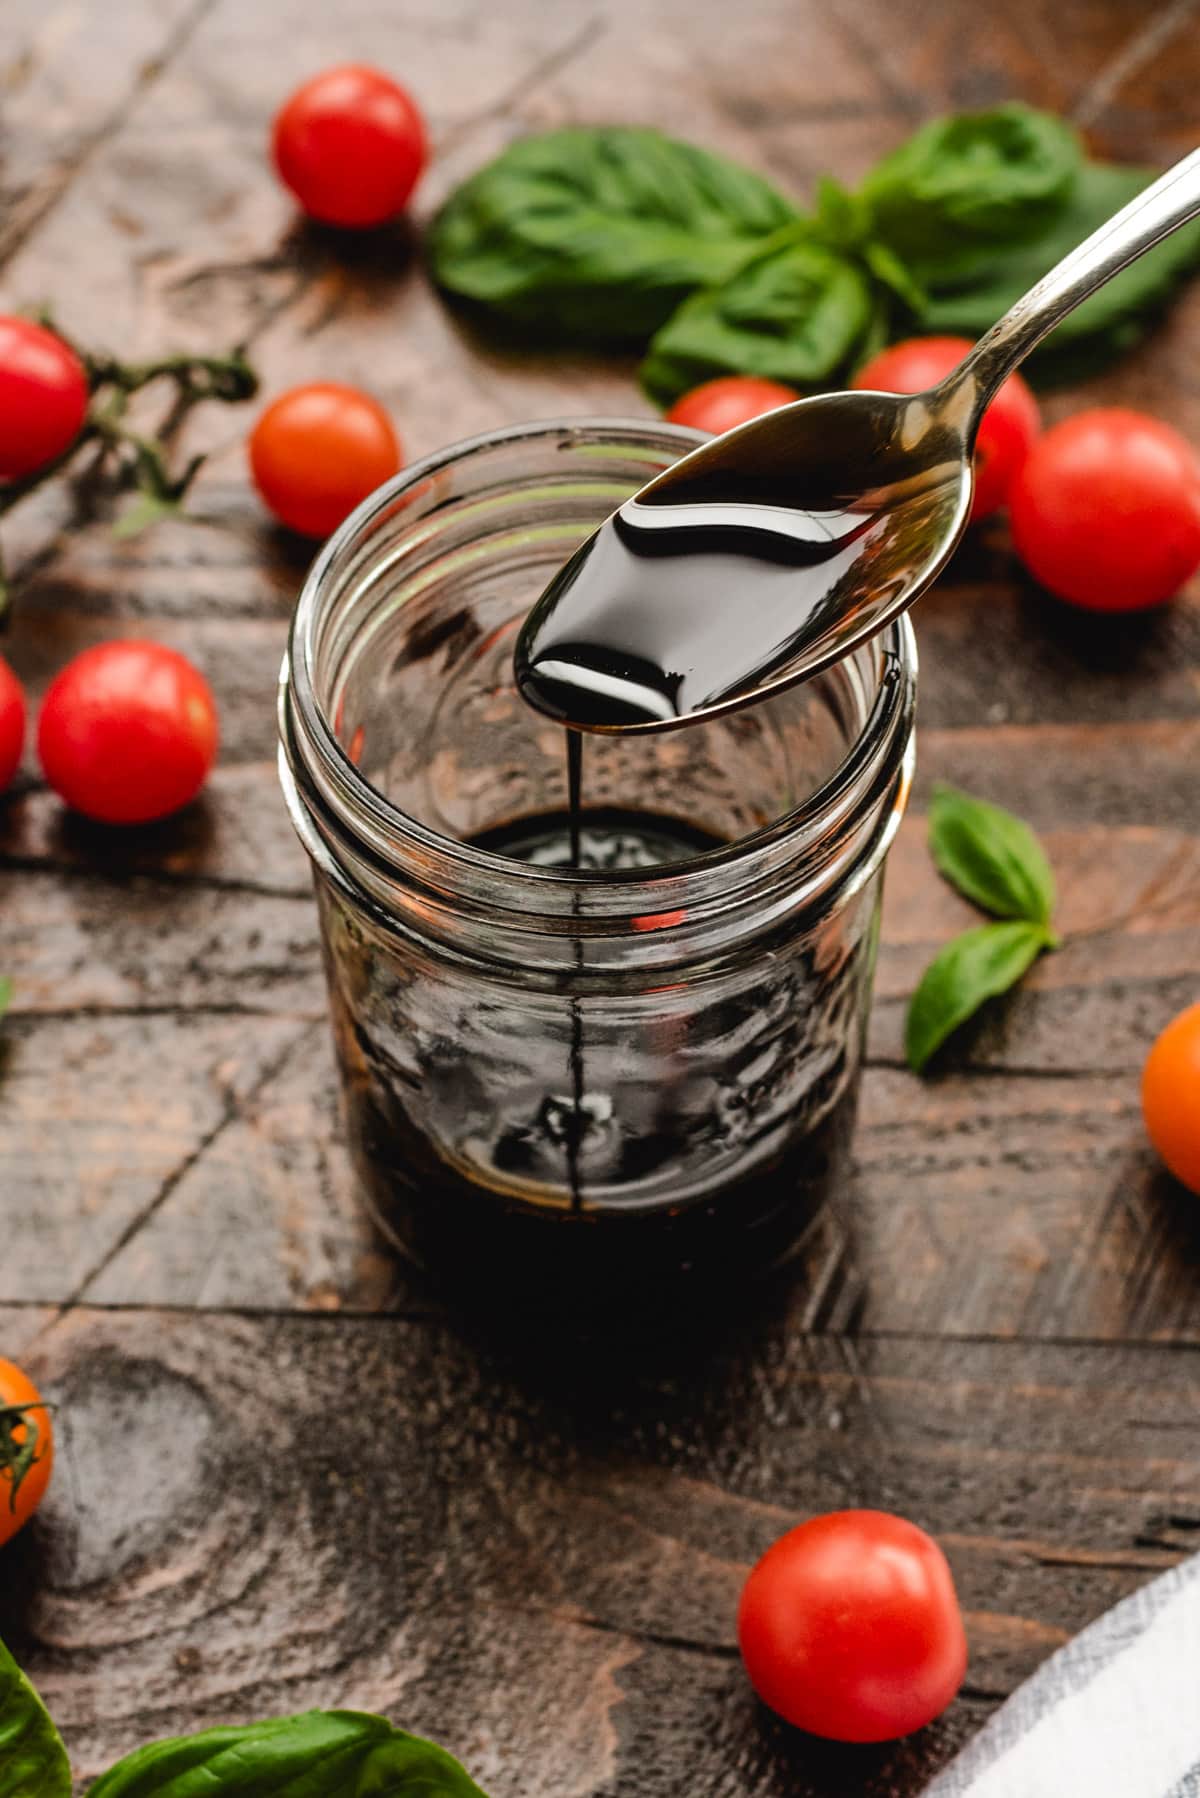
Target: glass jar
564	1085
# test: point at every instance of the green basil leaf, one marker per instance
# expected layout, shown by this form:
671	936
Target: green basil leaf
970	299
895	276
145	510
841	219
975	966
795	312
598	234
974	179
320	1754
992	857
33	1761
6	993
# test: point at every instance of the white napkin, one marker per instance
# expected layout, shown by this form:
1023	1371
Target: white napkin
1114	1714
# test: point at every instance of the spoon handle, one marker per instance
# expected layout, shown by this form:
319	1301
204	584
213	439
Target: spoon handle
1160	209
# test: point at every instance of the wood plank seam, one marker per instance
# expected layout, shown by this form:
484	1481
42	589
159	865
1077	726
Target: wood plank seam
1147	42
555	62
233	1108
27	222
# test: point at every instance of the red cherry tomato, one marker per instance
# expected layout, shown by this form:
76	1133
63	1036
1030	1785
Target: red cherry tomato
850	1628
43	397
730	400
350	144
1010	425
128	732
1171	1097
317	451
12	724
1106	511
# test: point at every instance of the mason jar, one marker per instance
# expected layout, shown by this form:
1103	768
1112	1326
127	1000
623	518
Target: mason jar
627	1081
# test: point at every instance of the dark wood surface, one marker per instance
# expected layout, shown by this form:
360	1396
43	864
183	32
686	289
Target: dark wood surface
288	1477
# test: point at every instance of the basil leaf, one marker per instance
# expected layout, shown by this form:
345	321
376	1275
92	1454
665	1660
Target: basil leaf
145	510
974	967
972	299
795	312
598	234
319	1754
992	857
33	1761
985	178
6	993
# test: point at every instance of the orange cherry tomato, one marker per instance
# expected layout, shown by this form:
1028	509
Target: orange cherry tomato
26	1450
317	451
1171	1096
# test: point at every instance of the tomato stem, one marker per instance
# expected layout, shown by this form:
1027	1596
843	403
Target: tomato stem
17	1458
136	462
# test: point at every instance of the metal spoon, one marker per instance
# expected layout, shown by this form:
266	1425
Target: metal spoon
772	551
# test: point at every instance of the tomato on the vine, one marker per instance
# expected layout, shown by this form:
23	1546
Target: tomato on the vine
43	397
729	400
850	1628
1171	1096
26	1449
1009	428
12	724
350	144
128	732
317	451
1106	511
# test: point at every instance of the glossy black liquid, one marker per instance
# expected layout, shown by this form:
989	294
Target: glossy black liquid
586	1264
574	792
644	623
591	1251
578	1121
601	839
688	598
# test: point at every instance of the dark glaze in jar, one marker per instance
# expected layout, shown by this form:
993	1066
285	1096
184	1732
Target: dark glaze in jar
623	1082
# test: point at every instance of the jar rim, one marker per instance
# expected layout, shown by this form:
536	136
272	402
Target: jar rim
814	820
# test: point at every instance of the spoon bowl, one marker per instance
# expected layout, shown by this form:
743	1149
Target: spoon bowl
770	552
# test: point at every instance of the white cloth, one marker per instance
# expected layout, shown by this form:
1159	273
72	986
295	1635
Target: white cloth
1114	1714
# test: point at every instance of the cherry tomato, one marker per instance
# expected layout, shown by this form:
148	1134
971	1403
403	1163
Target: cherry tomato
350	144
12	724
26	1450
317	451
1106	511
1010	425
43	397
730	400
1171	1097
850	1628
128	732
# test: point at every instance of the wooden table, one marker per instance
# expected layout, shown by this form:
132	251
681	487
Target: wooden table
288	1478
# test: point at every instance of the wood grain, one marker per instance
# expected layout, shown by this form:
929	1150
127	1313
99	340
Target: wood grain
290	1475
538	1558
1014	1190
69	76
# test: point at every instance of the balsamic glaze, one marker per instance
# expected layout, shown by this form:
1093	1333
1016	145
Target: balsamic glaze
608	1265
604	1117
646	623
693	594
